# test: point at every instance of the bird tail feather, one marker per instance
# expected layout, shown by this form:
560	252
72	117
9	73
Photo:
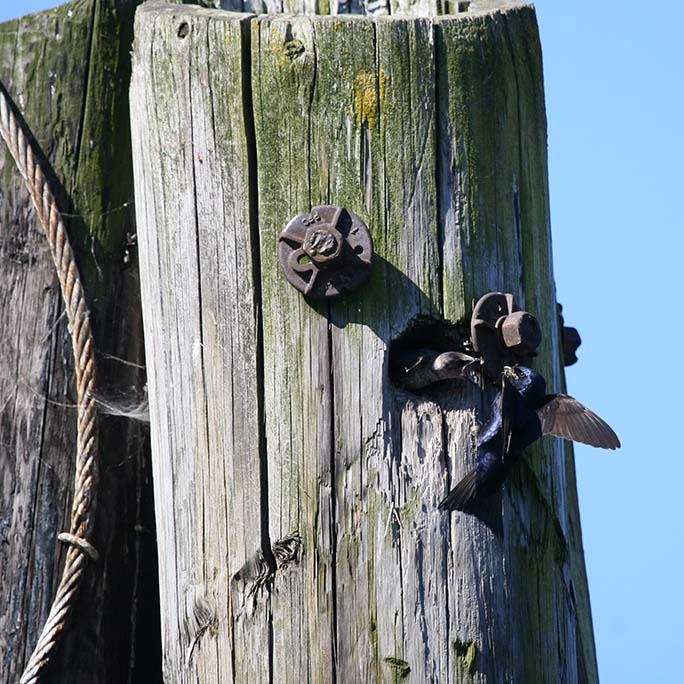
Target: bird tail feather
468	496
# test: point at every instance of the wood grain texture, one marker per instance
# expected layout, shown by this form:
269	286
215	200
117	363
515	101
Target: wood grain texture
67	70
432	130
494	196
192	178
415	8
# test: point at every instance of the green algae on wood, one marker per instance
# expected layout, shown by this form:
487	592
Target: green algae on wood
423	127
466	656
400	668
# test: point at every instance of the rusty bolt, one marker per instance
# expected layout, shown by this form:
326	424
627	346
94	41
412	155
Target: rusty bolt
322	244
571	341
325	252
521	333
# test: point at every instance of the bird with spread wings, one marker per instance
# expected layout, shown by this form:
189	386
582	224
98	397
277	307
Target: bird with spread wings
521	413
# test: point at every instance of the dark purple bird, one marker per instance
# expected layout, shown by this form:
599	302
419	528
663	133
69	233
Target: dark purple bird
521	413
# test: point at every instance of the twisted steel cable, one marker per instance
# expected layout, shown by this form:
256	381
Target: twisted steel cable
84	501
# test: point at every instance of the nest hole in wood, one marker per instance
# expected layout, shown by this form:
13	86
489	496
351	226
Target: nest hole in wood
183	29
412	352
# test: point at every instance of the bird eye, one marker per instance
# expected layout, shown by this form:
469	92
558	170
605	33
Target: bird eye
519	373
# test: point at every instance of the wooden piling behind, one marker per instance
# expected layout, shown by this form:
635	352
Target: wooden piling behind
67	70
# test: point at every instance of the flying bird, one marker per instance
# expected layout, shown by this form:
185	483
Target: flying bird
521	413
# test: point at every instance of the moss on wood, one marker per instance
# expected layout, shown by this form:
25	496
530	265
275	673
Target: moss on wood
400	668
432	132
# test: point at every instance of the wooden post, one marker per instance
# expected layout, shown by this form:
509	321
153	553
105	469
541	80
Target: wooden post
67	69
278	438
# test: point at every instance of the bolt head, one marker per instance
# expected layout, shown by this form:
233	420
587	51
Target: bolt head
322	244
521	333
571	341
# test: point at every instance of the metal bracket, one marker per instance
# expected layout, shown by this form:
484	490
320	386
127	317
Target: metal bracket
502	334
326	252
570	339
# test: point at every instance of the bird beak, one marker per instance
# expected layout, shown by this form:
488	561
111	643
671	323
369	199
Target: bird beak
508	371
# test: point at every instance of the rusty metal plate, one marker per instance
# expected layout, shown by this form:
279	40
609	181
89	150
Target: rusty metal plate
326	252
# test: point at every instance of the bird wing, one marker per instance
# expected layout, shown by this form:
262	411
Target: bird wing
564	416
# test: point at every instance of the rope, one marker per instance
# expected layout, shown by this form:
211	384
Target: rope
83	507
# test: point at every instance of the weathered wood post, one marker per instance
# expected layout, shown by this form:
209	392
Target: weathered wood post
296	488
67	70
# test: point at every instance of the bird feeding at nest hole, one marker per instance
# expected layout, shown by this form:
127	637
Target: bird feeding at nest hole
521	413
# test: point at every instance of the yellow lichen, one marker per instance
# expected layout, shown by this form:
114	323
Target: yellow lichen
370	91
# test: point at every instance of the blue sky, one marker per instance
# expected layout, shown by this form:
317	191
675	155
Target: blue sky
615	104
615	100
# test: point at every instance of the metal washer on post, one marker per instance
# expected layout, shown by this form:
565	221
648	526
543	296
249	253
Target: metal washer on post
326	252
